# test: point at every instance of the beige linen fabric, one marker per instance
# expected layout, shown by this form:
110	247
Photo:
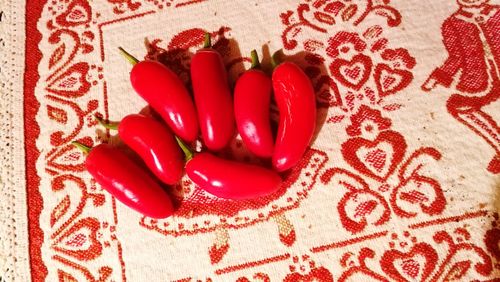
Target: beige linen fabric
401	182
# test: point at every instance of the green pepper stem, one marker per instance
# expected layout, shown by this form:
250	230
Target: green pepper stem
207	43
85	149
276	58
133	60
188	153
255	59
107	125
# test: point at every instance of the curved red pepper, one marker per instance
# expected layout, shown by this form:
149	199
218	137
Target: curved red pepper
167	95
294	95
252	98
155	144
230	179
212	97
127	181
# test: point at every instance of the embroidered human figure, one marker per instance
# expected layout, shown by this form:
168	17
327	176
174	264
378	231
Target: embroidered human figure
472	38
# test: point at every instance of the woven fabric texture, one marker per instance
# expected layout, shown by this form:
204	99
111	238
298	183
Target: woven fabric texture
401	183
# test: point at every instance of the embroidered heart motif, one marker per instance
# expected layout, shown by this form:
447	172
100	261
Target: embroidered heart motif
415	265
378	158
80	241
319	274
353	74
77	13
390	81
72	83
359	208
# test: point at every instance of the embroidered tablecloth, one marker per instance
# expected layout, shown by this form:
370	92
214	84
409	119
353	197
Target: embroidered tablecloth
402	181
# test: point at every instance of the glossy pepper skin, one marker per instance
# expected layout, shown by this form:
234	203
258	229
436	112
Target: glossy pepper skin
155	144
212	97
128	182
231	180
252	98
295	98
167	95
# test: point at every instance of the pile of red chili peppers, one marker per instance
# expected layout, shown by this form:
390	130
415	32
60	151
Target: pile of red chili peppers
161	139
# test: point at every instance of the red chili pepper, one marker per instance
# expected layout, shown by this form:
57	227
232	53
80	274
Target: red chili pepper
127	181
294	95
155	144
166	93
252	97
230	179
212	97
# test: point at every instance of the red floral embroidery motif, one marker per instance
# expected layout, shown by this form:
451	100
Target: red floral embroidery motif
361	65
77	13
410	260
354	73
376	152
406	266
